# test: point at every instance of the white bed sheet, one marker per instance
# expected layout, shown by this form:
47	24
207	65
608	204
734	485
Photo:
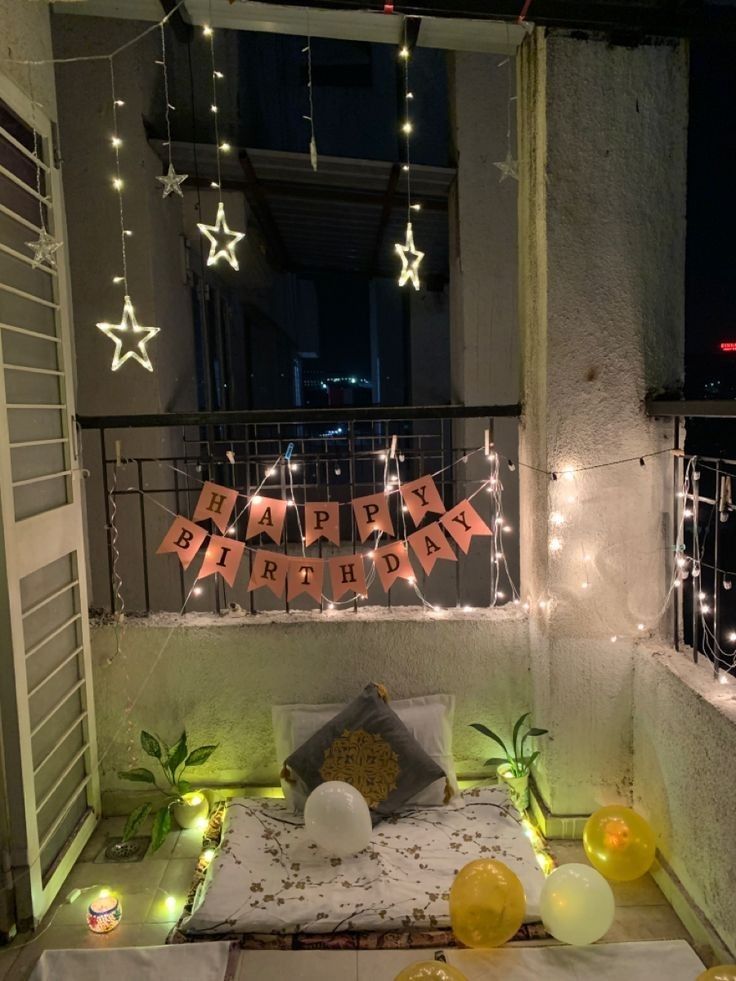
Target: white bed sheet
198	962
268	877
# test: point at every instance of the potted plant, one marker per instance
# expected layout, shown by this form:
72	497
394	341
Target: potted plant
514	766
188	805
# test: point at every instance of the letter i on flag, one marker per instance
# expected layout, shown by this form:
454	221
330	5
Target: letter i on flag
184	538
216	503
223	555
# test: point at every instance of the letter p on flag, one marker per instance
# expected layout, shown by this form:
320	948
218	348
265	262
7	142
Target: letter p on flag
183	537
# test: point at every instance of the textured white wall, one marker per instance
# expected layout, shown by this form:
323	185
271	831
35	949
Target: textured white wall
26	33
221	677
602	225
685	776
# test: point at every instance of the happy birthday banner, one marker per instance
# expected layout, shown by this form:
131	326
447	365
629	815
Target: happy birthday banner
301	574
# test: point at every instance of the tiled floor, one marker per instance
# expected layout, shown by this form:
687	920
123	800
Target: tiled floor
642	911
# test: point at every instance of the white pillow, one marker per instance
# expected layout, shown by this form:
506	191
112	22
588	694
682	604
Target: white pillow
428	718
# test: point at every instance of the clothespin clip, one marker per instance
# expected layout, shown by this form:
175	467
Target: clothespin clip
289	451
488	440
230	456
392	451
118	459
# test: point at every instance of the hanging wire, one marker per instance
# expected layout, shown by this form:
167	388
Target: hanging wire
169	107
118	182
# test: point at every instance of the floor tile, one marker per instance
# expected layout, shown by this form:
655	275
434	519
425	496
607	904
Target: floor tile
135	884
188	844
7	959
646	923
312	965
176	882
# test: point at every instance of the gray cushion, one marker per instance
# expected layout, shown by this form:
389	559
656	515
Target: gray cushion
368	746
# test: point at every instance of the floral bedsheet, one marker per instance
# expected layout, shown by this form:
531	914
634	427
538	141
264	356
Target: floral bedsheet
268	878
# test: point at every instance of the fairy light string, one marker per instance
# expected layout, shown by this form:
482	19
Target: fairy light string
45	247
171	181
409	255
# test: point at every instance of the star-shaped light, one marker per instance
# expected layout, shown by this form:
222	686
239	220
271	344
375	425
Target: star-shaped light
508	167
172	182
222	240
130	333
409	266
44	250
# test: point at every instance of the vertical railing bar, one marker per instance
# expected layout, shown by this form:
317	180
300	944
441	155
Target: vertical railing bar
144	537
695	558
351	430
716	555
182	592
282	472
675	531
680	460
106	491
251	592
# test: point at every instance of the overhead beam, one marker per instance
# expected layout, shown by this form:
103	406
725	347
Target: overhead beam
691	408
261	209
462	25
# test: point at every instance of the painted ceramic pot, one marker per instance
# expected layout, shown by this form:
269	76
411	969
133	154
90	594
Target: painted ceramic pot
191	810
104	913
518	787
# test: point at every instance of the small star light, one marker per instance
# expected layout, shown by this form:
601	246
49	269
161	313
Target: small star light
172	182
409	267
129	330
44	249
218	234
508	167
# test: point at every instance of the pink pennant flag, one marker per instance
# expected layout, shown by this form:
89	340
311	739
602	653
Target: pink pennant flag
463	522
223	555
392	563
269	569
421	496
217	503
184	538
322	521
266	515
347	574
372	514
430	544
306	576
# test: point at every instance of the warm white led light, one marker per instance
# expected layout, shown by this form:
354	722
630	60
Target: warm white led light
131	334
555	544
222	239
410	259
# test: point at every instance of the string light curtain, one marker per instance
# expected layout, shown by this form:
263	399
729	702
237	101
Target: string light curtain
410	256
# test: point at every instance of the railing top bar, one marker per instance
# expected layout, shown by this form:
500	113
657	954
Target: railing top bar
692	408
351	413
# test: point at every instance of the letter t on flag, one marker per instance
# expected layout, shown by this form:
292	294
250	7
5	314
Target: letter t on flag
184	538
223	555
217	503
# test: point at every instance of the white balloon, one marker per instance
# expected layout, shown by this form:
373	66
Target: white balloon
577	904
337	818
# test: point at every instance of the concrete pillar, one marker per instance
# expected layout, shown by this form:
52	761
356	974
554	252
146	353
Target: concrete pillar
483	280
602	227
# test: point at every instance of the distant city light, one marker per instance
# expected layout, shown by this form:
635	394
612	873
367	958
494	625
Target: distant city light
728	346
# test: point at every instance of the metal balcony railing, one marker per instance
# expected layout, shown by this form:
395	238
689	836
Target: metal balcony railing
336	455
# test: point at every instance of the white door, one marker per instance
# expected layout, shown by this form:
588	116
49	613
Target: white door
46	707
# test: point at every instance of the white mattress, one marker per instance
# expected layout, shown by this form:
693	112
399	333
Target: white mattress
269	878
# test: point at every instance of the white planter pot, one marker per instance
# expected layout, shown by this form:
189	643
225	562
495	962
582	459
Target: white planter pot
518	787
193	808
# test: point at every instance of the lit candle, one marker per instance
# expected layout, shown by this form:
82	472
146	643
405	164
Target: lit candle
104	913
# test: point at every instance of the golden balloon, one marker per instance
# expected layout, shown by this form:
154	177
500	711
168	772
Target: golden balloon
431	971
487	904
724	972
619	843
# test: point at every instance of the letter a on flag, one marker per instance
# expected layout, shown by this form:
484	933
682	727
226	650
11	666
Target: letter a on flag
223	555
266	515
184	538
463	522
269	569
217	503
347	573
392	563
421	496
430	544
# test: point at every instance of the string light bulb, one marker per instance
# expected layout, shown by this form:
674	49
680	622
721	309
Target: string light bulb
555	544
409	255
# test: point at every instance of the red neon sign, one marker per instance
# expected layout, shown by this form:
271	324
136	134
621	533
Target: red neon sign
728	346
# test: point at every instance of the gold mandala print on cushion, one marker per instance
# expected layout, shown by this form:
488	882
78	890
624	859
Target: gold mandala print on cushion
365	761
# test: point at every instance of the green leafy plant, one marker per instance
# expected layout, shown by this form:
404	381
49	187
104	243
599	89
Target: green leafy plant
173	763
517	756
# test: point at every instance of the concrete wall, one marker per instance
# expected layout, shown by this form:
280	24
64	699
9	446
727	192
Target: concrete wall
685	776
602	227
220	678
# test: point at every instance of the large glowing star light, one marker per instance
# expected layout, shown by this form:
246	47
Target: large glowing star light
222	240
410	259
129	334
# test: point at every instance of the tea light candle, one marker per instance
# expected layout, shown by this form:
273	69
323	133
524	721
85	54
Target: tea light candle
104	913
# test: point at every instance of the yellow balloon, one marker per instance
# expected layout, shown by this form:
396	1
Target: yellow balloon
487	904
431	971
724	972
619	843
